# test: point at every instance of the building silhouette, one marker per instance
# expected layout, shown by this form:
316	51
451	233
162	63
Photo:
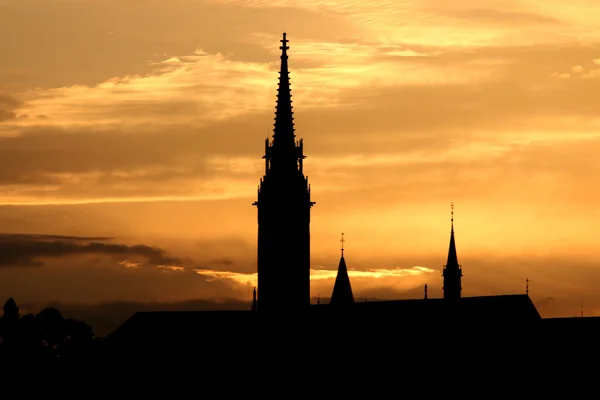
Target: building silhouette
281	303
283	210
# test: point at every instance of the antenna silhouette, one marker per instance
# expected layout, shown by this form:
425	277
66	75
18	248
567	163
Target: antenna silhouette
425	291
527	286
342	241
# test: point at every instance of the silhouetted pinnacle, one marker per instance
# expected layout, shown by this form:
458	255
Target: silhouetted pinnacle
284	120
452	261
342	290
452	271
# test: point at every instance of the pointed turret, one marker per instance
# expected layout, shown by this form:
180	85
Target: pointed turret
342	290
452	261
452	270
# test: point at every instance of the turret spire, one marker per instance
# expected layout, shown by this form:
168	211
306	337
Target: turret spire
452	270
452	256
342	290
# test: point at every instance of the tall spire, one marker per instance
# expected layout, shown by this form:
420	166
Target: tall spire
342	290
283	210
284	120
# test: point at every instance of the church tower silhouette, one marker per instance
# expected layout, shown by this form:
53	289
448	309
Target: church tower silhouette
452	270
283	210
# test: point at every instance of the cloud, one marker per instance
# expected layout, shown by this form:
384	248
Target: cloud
456	105
580	72
371	279
20	250
496	16
8	105
433	22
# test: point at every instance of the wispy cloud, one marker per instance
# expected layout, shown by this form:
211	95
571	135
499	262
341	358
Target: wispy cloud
201	87
322	279
435	22
21	250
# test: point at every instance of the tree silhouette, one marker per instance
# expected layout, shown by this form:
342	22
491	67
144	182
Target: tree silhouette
47	335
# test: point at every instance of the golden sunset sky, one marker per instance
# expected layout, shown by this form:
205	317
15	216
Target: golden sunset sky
141	124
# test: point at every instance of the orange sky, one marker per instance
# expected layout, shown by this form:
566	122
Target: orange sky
144	122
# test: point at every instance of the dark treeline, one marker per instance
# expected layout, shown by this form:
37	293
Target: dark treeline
45	336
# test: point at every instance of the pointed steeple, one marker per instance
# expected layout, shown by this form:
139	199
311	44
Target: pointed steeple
342	290
284	120
452	270
452	256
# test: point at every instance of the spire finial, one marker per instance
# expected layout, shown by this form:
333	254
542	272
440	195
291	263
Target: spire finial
425	291
342	241
452	214
527	286
284	42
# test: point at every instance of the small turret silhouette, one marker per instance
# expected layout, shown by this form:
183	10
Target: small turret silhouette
253	307
342	290
452	270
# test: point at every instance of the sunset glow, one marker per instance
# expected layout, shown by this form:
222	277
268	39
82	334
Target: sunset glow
143	124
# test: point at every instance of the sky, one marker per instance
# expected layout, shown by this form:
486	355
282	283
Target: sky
131	136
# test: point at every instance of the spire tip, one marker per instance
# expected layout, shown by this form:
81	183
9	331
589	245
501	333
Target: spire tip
284	42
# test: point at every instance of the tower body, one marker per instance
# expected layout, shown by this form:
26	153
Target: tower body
452	271
283	211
